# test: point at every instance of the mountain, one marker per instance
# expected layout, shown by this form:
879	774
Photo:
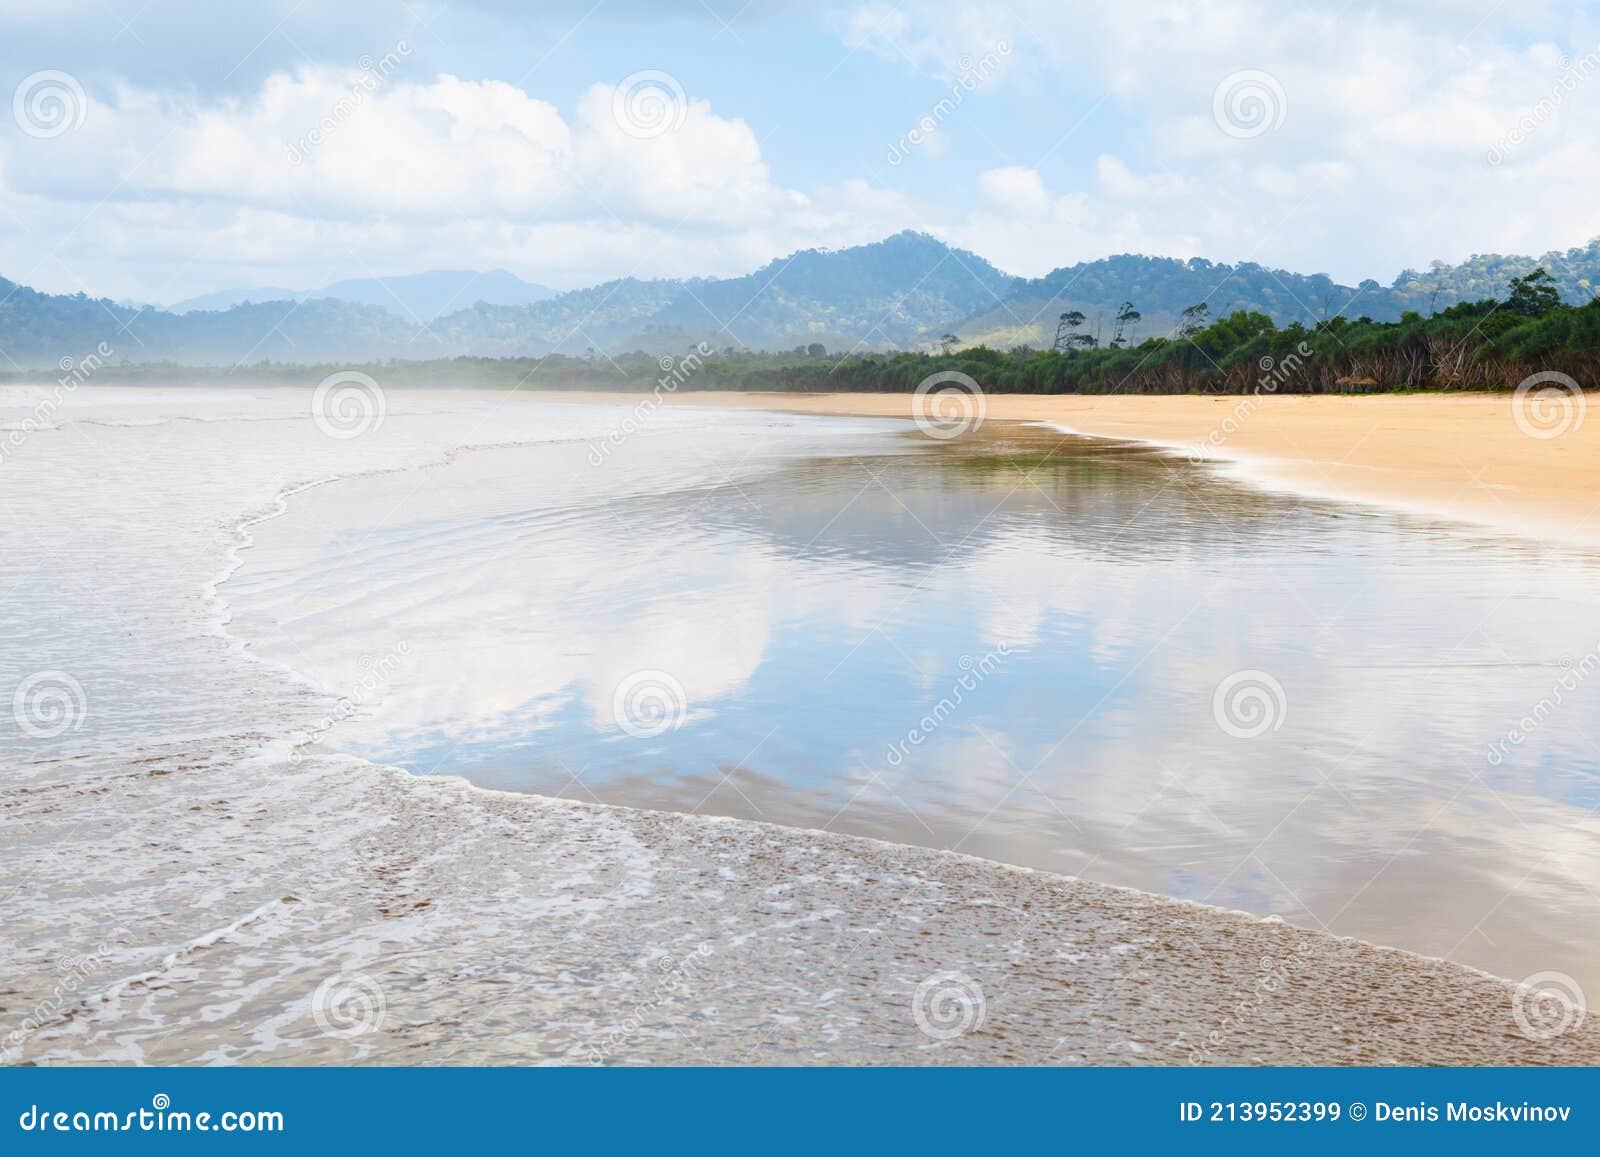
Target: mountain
873	296
1162	287
228	298
1574	272
602	317
905	292
419	297
876	296
425	296
39	329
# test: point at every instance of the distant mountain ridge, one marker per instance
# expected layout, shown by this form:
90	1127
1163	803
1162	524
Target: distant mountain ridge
228	298
415	296
906	292
1162	287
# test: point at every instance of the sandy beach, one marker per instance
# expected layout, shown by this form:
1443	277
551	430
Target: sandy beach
194	882
1461	456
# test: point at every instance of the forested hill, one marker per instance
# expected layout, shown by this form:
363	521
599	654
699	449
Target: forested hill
871	297
1160	288
417	296
881	296
908	292
1528	340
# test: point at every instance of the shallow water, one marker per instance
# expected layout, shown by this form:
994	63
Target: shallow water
214	609
1013	647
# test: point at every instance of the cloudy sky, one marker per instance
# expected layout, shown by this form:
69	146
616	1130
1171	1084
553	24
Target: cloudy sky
163	149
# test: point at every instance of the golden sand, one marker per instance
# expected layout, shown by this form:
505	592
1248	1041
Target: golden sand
1460	456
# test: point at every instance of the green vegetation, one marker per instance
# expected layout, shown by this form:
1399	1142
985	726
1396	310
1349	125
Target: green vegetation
1482	345
908	292
1162	287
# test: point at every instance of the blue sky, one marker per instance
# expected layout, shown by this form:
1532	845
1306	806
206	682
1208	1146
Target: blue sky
181	152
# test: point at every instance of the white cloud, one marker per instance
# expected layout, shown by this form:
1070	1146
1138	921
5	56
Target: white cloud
1026	229
1380	125
326	143
323	171
1015	189
708	169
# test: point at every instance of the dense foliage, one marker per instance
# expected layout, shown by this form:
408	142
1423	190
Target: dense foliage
1474	345
908	292
1162	287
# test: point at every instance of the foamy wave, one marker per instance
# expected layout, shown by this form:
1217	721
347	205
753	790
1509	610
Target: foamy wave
188	890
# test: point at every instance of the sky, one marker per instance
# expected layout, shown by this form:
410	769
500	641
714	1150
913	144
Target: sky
160	150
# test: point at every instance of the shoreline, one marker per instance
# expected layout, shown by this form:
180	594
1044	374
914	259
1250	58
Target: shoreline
1106	974
661	815
1232	938
1459	457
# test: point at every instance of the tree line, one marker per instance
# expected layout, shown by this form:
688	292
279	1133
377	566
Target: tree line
1482	345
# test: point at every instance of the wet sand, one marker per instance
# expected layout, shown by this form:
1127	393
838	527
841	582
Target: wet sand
198	896
435	923
1460	456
